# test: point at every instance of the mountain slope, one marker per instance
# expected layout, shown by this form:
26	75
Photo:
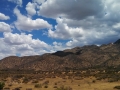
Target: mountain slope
77	58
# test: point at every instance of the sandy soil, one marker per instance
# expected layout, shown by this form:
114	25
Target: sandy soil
84	84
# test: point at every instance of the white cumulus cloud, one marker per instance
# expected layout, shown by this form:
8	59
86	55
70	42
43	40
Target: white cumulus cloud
64	32
78	23
4	27
17	39
4	17
23	39
30	7
22	44
83	22
26	23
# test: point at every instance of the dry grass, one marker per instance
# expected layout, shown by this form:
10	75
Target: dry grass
70	80
89	83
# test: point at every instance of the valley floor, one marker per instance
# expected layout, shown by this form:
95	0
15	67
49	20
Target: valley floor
89	83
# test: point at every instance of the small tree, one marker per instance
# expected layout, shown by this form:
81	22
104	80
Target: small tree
2	84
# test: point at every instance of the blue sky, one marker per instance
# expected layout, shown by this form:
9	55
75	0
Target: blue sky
35	27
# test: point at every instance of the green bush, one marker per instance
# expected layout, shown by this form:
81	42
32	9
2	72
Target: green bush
2	84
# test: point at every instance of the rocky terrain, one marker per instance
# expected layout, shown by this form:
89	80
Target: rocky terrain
91	56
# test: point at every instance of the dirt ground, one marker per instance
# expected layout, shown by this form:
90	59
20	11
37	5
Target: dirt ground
89	83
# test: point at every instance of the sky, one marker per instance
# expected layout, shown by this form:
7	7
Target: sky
35	27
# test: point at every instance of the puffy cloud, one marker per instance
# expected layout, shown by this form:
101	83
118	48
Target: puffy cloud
4	27
18	2
17	39
38	1
75	9
30	7
87	25
28	23
64	32
82	35
58	46
94	37
22	44
5	50
79	22
23	39
4	17
25	45
36	44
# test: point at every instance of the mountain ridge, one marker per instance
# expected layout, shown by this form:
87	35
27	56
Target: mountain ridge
89	56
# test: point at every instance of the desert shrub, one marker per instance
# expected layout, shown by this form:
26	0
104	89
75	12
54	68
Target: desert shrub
25	80
2	84
53	76
93	81
55	83
18	76
64	81
4	80
18	81
117	87
38	86
41	79
16	89
55	87
9	85
28	88
6	88
19	87
64	88
35	81
46	82
112	80
77	78
46	86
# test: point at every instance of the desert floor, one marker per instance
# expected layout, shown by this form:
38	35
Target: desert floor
89	83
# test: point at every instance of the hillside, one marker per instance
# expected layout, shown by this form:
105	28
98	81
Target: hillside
90	56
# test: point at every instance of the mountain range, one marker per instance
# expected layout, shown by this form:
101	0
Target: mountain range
88	56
